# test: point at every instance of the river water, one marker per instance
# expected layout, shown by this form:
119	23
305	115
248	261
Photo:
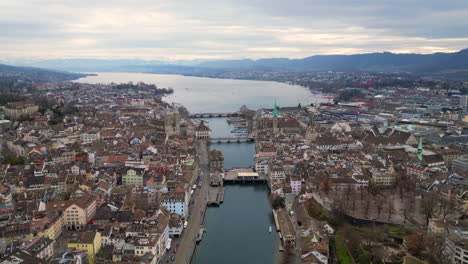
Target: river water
237	231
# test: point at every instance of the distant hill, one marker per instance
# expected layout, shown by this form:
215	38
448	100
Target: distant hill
37	74
386	62
98	65
439	65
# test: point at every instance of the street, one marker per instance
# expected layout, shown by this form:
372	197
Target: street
187	242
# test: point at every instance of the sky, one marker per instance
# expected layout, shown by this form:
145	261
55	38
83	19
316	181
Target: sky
174	30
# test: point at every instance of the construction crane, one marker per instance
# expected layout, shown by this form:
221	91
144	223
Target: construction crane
358	112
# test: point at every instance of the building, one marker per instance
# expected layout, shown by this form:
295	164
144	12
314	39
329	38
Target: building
460	164
286	227
295	183
275	119
383	177
277	174
40	247
175	202
47	224
261	166
457	249
202	131
464	101
216	177
172	122
456	242
133	177
89	137
21	257
216	159
176	226
76	213
88	241
16	110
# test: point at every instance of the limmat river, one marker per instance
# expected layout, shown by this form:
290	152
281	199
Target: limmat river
237	231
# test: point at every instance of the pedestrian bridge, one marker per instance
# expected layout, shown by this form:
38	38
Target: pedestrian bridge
231	139
204	115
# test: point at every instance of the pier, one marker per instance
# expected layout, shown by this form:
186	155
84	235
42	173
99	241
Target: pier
215	195
205	115
243	175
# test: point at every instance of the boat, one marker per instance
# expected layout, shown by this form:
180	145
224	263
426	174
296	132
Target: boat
200	235
269	229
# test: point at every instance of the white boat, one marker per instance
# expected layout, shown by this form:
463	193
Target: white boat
269	229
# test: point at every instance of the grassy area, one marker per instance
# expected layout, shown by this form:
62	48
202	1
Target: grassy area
397	231
316	211
412	260
342	252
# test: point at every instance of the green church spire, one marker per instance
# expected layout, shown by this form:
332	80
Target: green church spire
420	148
275	110
314	239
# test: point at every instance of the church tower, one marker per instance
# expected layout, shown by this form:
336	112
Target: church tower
420	149
275	119
311	134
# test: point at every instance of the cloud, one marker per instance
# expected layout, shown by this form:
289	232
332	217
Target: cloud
213	29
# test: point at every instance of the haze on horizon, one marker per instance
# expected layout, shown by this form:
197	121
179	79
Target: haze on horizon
227	29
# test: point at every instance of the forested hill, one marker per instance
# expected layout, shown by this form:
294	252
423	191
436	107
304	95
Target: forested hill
20	80
386	61
37	74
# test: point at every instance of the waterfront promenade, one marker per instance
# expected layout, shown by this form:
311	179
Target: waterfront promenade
195	221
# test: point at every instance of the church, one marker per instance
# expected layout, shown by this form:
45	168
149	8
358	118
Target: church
280	125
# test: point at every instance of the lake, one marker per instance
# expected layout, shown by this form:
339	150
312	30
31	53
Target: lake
214	95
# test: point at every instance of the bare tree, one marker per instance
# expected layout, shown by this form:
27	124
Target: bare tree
354	205
447	206
379	205
288	256
348	193
435	247
429	203
367	206
391	208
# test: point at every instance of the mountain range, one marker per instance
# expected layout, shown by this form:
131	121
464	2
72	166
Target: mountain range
451	65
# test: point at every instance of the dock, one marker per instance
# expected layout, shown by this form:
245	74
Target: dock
285	226
243	175
215	195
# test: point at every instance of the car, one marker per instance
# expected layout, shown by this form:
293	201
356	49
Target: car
172	258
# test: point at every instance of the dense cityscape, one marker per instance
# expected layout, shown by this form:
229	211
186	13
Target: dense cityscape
111	173
234	132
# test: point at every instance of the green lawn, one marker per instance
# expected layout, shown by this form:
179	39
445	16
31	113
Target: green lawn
411	260
343	256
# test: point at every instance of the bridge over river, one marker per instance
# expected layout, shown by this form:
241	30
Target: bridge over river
232	139
205	115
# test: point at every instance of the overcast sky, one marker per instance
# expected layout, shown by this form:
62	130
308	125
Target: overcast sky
228	29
